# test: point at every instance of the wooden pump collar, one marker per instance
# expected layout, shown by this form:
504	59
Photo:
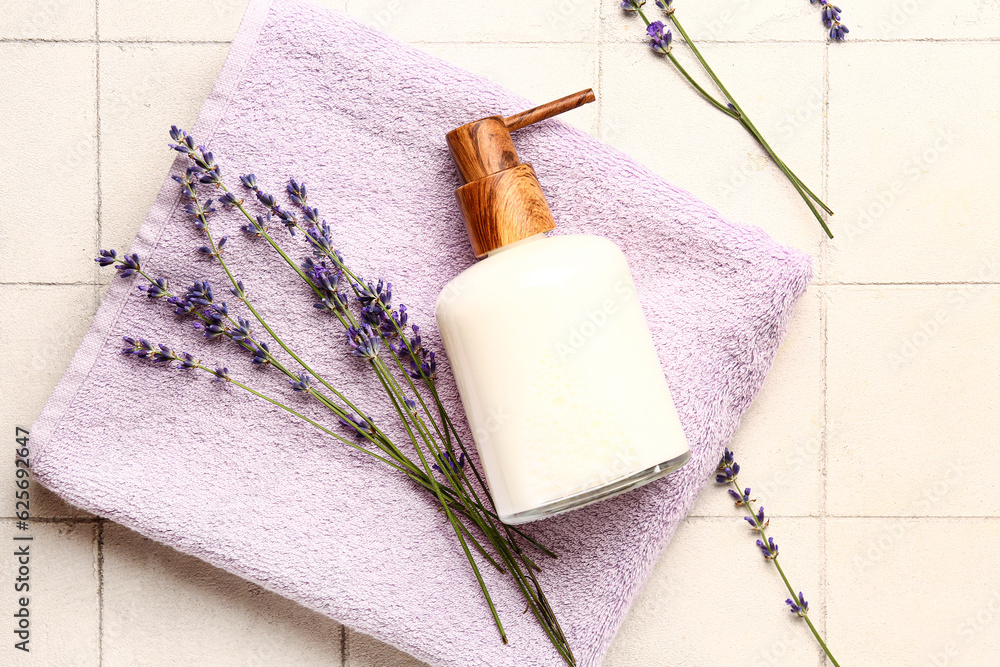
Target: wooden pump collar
500	197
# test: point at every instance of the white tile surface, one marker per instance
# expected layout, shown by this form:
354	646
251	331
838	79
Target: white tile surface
457	21
62	594
164	608
49	19
921	185
134	152
881	403
35	349
49	107
914	592
912	402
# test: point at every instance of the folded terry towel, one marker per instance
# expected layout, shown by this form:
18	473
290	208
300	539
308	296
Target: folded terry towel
218	474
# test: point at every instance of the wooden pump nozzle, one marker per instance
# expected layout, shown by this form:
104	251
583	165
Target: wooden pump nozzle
500	197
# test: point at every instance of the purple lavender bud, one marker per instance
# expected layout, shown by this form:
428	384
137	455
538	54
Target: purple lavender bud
128	265
229	199
249	181
449	462
200	293
242	330
312	214
258	227
239	291
659	40
632	5
357	425
156	289
221	374
212	176
798	607
106	257
265	199
162	353
364	342
770	550
838	33
261	354
296	192
302	384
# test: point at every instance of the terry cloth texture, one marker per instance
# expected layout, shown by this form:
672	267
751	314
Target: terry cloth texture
216	473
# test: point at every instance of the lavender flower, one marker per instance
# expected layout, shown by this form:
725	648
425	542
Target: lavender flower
106	257
830	15
769	549
161	353
664	5
261	352
139	347
798	607
221	374
200	293
296	192
156	289
728	469
659	40
302	384
757	521
258	226
448	461
358	425
188	181
364	342
127	265
229	199
249	181
741	499
265	199
632	5
241	331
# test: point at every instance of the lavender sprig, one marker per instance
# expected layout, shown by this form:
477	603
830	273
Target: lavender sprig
660	41
726	474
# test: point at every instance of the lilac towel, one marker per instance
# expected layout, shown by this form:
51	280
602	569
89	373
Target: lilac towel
221	475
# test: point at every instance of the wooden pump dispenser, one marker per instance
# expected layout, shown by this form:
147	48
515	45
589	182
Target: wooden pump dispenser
500	196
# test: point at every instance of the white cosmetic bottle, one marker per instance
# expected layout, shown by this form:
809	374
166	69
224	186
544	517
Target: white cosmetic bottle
548	343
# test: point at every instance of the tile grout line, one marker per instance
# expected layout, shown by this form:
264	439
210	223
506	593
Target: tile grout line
824	326
97	120
909	40
97	295
100	592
